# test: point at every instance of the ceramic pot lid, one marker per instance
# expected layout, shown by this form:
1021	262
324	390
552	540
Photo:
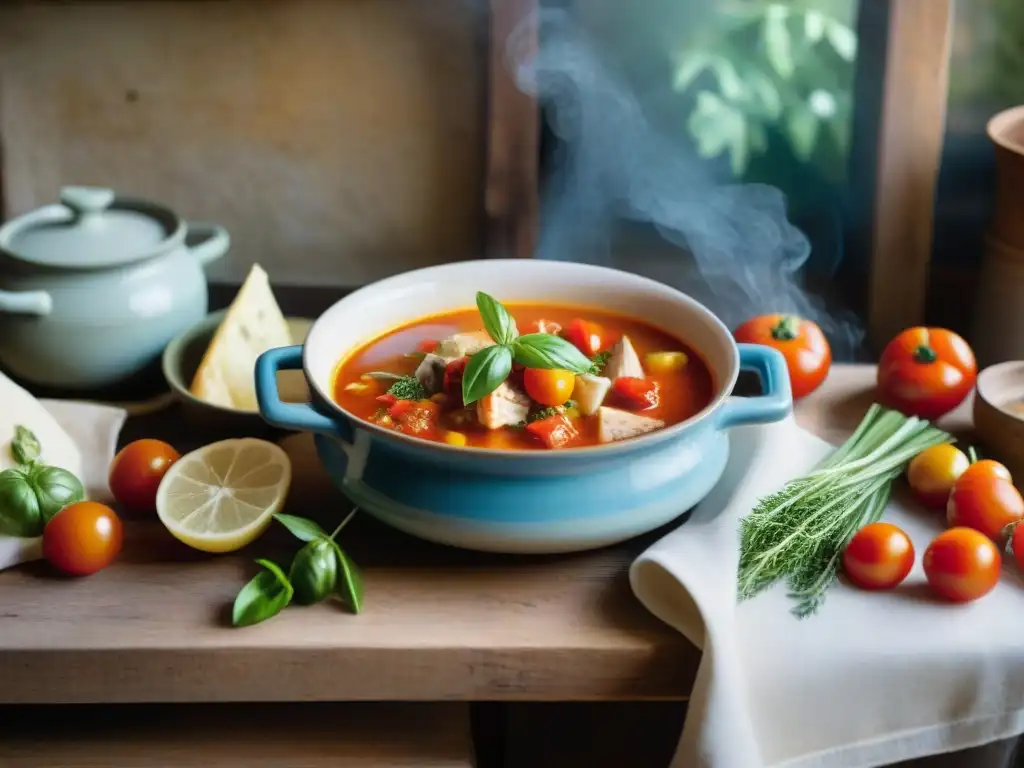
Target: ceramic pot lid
91	227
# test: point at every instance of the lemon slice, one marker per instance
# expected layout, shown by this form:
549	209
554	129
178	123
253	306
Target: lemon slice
222	496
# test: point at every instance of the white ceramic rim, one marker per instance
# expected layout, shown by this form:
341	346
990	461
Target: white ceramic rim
432	273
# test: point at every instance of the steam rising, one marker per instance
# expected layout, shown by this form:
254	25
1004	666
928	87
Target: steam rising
739	253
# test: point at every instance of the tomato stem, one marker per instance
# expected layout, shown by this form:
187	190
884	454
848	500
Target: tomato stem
972	455
787	329
925	354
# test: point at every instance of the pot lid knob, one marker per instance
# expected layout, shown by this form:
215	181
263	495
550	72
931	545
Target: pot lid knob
86	200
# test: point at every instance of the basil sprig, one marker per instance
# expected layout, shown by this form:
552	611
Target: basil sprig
32	493
262	598
489	367
318	570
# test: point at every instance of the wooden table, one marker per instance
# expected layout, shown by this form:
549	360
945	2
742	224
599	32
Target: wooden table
439	623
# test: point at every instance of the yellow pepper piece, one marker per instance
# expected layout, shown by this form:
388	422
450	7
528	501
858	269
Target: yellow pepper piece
665	362
454	438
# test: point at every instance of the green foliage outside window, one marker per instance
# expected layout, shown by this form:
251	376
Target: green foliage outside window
756	68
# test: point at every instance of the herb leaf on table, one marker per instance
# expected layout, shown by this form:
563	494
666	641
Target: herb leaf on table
265	596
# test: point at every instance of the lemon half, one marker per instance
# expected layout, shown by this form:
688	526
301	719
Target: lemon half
222	496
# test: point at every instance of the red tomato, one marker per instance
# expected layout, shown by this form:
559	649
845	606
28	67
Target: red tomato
635	393
427	346
554	431
926	372
587	337
985	468
82	538
549	386
962	565
136	472
1017	543
985	503
453	378
879	556
933	472
808	355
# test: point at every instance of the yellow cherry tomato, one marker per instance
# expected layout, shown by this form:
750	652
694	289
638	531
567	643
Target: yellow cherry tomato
933	472
549	386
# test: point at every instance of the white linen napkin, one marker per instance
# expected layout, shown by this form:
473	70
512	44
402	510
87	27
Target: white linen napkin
94	429
871	679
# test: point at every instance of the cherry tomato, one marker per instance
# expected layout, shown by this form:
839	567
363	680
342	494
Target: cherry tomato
635	393
549	386
1017	544
137	470
986	504
587	337
962	565
926	372
933	472
879	556
82	538
808	355
985	468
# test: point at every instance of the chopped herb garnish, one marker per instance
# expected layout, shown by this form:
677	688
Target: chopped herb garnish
552	410
408	388
599	360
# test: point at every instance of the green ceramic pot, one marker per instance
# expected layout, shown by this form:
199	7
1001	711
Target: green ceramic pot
93	288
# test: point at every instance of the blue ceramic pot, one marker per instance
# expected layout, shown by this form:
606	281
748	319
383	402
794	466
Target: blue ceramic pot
521	501
93	288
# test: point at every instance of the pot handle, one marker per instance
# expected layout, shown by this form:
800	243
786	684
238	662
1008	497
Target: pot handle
776	402
26	302
303	417
206	242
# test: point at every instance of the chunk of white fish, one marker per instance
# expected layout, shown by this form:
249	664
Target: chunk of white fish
623	361
504	406
614	424
430	372
462	344
589	392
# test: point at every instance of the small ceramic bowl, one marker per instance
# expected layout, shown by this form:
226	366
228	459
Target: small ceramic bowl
181	359
999	414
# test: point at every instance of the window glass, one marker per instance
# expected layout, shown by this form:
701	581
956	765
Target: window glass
704	143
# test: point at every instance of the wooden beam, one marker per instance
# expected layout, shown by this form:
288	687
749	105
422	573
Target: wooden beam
511	195
909	152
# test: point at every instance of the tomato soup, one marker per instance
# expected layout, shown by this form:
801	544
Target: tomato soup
524	377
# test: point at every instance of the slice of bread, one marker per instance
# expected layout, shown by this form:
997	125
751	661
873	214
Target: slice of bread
253	324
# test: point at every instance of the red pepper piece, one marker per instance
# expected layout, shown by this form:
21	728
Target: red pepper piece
635	393
427	346
554	431
419	419
587	337
387	400
400	408
453	378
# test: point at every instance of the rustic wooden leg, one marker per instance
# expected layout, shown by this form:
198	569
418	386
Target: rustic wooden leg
511	197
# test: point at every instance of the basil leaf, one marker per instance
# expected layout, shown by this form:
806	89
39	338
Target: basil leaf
485	371
350	580
55	488
262	598
19	508
500	325
545	350
25	448
301	528
314	572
